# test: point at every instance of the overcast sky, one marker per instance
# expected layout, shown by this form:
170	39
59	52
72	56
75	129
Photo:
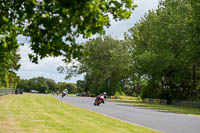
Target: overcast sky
47	67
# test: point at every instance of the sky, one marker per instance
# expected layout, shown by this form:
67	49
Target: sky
48	67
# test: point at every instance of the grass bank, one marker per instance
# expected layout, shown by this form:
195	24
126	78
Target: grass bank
35	113
168	108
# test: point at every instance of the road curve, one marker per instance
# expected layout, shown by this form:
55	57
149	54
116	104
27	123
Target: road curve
158	120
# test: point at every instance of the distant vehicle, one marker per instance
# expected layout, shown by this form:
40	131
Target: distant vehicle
34	91
82	94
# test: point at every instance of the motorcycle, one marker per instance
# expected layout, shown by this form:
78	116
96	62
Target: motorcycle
64	93
99	100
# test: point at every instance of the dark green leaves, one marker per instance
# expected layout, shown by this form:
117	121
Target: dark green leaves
164	50
53	26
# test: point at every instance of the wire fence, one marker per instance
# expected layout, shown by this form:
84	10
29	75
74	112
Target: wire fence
6	91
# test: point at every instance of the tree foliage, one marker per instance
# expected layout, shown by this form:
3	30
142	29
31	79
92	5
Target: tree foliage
71	87
164	47
9	63
40	84
105	65
53	25
44	85
159	57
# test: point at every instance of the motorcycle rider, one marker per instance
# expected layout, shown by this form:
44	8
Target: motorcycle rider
57	92
105	95
64	93
101	97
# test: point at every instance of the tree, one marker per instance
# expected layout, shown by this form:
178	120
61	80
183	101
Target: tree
105	65
9	62
71	87
40	84
82	86
164	51
53	26
52	85
24	84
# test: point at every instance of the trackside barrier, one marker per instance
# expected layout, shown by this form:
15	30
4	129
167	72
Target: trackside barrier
113	97
186	103
155	101
6	91
146	100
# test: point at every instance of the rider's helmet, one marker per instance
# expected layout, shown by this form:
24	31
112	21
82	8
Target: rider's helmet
104	93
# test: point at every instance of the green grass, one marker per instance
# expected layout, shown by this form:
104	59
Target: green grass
35	113
127	98
71	94
60	94
166	108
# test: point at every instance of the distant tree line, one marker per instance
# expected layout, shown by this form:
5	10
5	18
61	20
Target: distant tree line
44	85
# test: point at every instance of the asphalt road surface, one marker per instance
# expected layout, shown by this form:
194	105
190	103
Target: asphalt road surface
158	120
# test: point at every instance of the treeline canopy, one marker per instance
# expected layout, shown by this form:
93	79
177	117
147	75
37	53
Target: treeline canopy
165	50
44	85
159	57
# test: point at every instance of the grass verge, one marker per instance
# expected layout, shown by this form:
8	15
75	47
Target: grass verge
34	113
71	95
165	108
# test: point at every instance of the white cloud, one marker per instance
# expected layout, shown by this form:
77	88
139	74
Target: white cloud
118	29
47	67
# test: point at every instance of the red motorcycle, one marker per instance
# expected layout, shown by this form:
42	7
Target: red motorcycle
99	100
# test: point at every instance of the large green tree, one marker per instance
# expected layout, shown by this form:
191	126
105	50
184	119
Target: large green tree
9	63
53	25
164	46
105	65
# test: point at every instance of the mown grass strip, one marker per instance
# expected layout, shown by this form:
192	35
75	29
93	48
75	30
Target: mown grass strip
167	108
34	113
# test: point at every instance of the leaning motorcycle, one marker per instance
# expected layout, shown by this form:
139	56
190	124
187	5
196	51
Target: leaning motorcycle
63	94
99	100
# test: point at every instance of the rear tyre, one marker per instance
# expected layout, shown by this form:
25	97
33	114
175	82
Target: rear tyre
98	103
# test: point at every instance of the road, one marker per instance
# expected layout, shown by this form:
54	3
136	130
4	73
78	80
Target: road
158	120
